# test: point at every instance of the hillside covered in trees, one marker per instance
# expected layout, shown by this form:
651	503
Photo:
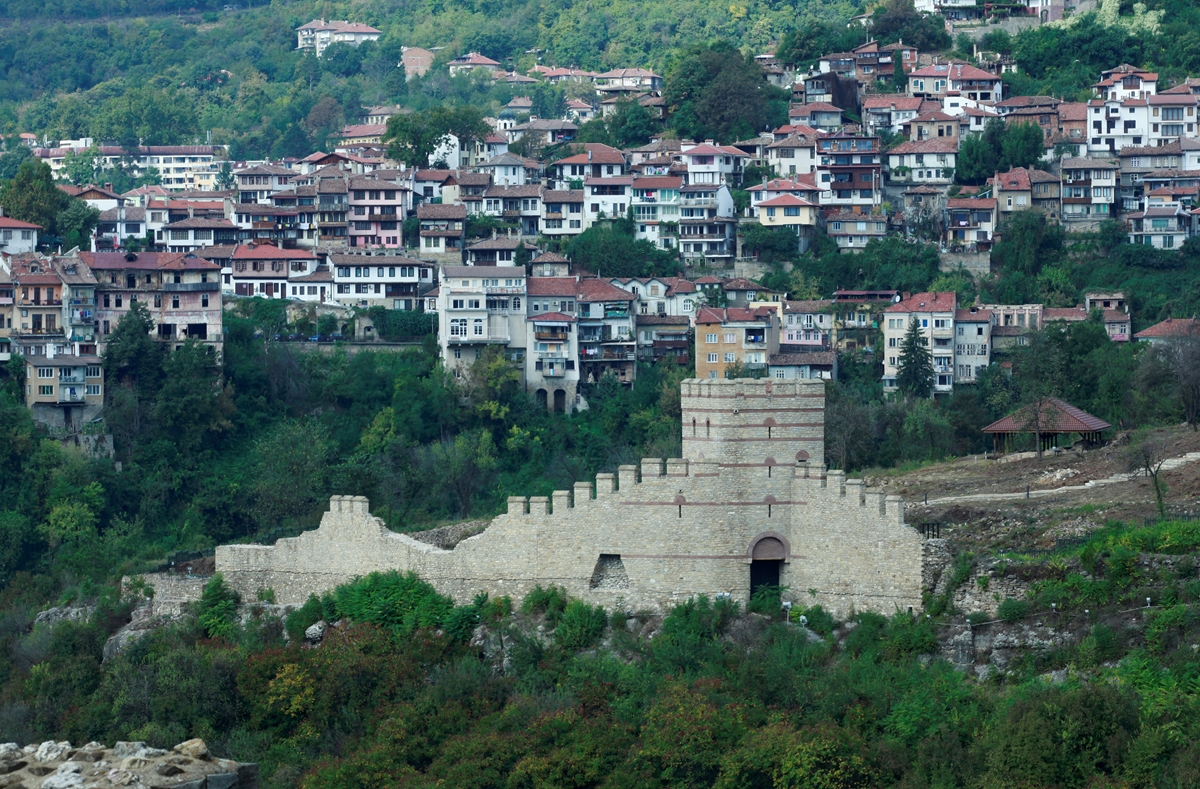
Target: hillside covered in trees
167	72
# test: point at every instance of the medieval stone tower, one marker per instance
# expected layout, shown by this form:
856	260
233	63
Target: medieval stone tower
750	504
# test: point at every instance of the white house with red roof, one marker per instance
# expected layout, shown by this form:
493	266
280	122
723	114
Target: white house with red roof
1168	330
17	236
627	80
935	315
1126	82
971	221
818	115
263	269
709	163
595	161
928	161
801	186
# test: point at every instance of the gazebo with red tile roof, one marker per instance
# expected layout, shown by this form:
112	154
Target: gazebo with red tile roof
1047	418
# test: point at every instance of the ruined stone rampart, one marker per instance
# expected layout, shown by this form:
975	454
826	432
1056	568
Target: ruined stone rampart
755	499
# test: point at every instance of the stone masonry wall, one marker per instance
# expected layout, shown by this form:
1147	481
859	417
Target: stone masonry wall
648	538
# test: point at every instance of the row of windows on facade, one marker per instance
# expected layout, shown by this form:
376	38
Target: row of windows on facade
118	301
90	371
752	335
730	358
89	389
365	271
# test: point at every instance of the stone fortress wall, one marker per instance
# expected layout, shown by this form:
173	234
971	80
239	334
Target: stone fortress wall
753	499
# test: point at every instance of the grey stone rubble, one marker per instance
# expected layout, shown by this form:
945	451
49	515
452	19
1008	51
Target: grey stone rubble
59	765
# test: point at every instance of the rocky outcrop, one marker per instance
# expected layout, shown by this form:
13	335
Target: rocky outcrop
59	765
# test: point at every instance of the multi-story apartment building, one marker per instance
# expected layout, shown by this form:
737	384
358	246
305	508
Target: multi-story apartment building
627	80
37	312
478	306
663	337
849	172
180	166
317	35
728	336
1137	162
257	184
891	112
1089	192
972	344
182	292
607	340
808	324
852	232
794	213
656	201
64	391
391	281
376	213
934	314
707	222
552	368
606	197
1172	116
1115	124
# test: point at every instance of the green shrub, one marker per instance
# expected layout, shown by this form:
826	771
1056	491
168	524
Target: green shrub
401	602
216	611
266	595
551	601
819	620
906	634
581	625
1012	610
866	635
767	600
1099	645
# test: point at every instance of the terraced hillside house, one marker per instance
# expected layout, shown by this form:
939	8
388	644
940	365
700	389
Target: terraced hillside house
934	314
182	291
733	338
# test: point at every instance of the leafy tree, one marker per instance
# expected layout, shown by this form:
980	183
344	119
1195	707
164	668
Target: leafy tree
81	167
771	244
413	137
12	158
131	355
75	223
914	370
216	610
225	180
899	19
31	196
291	475
611	250
714	92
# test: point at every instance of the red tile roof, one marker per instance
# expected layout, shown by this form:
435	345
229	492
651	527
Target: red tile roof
1171	327
269	252
786	200
1049	416
17	224
971	202
551	317
599	290
927	302
552	286
710	315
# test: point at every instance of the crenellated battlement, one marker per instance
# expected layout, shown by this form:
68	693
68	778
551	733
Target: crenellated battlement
751	500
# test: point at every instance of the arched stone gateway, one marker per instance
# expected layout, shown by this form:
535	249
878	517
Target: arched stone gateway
768	551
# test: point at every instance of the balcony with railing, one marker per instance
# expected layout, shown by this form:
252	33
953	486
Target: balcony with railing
490	337
76	378
70	396
553	336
